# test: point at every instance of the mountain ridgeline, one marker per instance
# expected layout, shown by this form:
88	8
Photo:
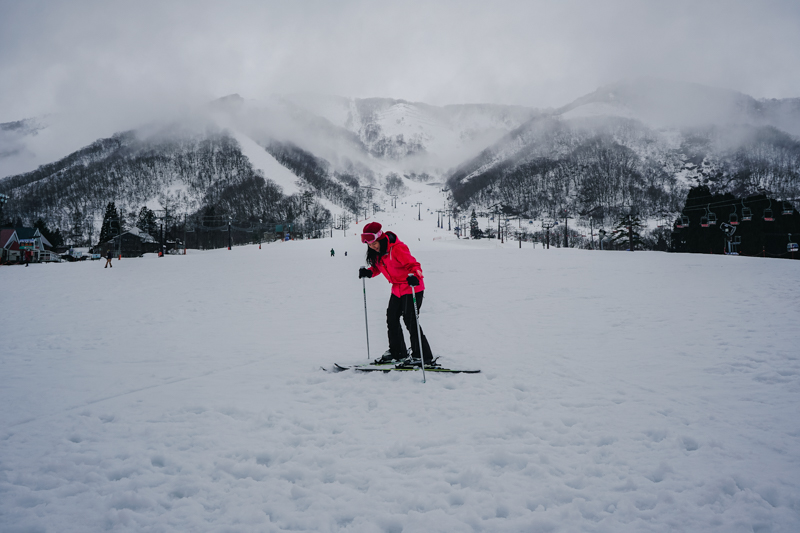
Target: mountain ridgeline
186	172
307	159
615	163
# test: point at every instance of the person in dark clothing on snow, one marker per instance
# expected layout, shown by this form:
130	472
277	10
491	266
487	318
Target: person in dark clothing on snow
389	256
109	255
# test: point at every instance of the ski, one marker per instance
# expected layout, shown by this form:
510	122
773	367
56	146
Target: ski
392	367
341	368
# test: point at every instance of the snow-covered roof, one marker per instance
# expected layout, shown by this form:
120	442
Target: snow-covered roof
146	237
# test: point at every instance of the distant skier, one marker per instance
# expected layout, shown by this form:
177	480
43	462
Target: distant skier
332	252
387	255
109	255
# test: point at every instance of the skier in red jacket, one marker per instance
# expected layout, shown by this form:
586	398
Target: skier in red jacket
387	255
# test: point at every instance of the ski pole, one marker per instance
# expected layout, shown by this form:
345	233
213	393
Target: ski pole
366	322
419	334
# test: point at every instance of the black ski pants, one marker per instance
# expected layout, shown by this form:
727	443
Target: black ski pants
403	307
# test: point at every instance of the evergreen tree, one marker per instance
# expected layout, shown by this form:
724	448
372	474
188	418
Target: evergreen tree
627	230
146	221
3	200
54	237
110	227
474	228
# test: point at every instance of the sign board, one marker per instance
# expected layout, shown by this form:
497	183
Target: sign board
791	247
27	244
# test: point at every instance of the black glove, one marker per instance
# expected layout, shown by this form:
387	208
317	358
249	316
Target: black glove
413	280
364	273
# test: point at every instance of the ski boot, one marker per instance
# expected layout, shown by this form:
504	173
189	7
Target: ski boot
411	362
387	358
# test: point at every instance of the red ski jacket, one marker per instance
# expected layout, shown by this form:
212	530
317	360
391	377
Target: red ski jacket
396	264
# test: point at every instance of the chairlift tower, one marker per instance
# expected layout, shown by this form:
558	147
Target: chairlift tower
566	217
596	214
547	224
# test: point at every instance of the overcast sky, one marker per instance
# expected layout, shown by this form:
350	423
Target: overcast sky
113	61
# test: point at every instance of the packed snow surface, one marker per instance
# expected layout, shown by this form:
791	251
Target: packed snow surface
620	392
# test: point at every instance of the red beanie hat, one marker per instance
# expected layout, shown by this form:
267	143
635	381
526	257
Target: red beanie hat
372	227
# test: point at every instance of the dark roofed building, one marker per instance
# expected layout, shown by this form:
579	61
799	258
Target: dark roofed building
131	243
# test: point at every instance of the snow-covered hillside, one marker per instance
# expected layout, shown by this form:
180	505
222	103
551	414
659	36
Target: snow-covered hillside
396	129
185	393
624	146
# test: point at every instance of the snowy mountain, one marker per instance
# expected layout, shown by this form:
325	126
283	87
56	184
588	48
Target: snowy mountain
188	167
639	144
254	160
439	137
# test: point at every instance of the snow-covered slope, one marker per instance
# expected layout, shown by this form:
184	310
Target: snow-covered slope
396	129
186	394
268	165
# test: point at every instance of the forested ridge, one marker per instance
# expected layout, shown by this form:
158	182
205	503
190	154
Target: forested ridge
192	172
550	165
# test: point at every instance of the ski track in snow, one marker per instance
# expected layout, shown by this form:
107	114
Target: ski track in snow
619	392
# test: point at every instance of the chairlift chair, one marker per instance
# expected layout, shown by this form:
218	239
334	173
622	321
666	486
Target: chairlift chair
712	219
704	221
747	214
787	208
733	219
768	216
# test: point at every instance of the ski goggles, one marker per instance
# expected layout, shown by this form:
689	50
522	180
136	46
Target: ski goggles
369	238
